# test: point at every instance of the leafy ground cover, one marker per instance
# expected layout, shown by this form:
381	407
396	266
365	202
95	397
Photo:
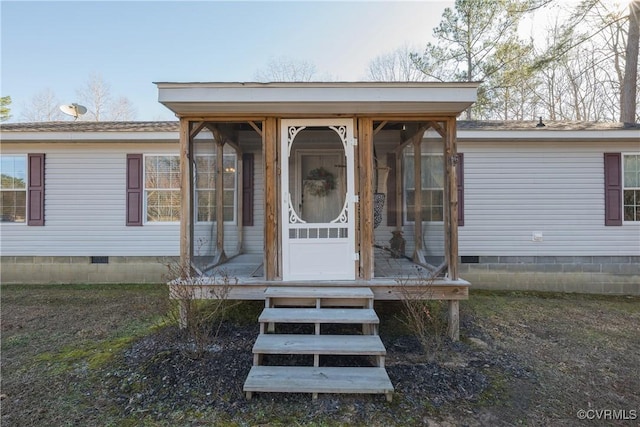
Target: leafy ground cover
107	355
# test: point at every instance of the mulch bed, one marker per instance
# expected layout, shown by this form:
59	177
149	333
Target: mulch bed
163	373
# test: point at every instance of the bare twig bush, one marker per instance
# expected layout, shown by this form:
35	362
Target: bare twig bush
198	305
423	315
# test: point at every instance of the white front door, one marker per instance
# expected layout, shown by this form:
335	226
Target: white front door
318	199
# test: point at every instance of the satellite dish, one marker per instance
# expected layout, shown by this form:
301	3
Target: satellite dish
74	110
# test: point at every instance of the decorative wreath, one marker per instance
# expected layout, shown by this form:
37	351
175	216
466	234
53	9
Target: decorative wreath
319	182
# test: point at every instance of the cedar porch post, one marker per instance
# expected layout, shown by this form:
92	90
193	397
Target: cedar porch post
451	199
451	222
239	197
186	229
271	202
220	255
418	255
366	176
186	208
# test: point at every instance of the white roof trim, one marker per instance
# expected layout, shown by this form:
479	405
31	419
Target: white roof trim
547	134
316	98
91	136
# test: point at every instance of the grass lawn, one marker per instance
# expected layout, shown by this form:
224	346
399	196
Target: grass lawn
94	355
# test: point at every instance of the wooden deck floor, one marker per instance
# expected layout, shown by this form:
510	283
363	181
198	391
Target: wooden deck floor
393	276
249	266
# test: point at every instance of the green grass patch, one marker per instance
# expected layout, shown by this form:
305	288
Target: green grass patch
142	287
14	341
95	354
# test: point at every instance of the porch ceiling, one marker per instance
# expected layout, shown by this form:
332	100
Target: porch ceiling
295	99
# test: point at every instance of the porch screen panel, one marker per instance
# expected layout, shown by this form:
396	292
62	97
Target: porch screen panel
431	186
205	187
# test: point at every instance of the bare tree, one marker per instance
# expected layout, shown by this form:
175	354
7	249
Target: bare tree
96	96
121	110
284	69
44	106
586	58
395	66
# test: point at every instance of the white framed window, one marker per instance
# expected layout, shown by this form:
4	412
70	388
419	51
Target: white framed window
205	188
432	168
162	188
631	186
13	188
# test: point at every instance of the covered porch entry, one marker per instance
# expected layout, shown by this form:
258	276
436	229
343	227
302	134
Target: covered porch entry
340	167
319	182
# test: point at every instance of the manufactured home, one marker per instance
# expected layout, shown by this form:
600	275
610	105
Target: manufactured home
333	194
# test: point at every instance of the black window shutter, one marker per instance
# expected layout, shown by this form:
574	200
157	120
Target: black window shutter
35	190
247	189
612	189
460	179
134	189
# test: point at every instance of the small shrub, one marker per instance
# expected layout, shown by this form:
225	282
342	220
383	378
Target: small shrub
422	315
198	305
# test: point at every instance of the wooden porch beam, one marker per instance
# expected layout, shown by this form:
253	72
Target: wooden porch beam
417	136
271	240
415	130
438	128
196	128
234	145
451	199
220	256
379	127
418	255
255	127
221	136
239	199
366	177
186	226
223	132
453	324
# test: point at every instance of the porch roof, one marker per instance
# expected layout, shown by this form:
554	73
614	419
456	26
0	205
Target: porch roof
308	98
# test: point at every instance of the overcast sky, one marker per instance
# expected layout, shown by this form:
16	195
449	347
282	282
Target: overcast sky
57	45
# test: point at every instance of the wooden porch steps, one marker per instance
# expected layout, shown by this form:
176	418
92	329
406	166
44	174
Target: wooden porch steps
319	315
363	345
307	379
318	296
329	305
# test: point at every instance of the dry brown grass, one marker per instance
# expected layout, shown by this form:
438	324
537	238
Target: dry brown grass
547	356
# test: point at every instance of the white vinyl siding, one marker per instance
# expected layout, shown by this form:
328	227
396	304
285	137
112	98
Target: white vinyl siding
514	189
85	205
254	235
